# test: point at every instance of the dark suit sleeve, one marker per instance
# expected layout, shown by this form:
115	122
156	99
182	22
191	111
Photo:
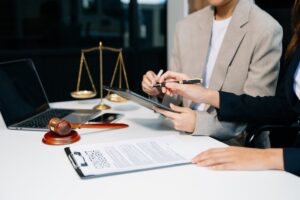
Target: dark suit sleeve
291	158
245	108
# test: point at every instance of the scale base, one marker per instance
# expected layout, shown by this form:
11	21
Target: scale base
101	106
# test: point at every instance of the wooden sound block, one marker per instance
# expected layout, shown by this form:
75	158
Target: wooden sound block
52	138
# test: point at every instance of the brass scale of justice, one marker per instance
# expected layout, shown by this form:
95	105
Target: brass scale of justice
86	94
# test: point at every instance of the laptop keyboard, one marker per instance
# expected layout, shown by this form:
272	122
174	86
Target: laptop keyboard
41	121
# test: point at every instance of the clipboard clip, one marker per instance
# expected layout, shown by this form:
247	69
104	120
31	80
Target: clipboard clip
75	162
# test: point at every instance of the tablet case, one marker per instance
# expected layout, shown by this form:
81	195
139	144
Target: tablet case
132	96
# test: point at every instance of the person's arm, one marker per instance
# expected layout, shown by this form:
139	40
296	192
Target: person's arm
242	108
241	158
291	157
245	108
233	158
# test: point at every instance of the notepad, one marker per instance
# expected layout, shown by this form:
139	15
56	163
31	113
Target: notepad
114	158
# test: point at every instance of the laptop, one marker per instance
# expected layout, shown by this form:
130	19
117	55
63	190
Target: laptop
23	102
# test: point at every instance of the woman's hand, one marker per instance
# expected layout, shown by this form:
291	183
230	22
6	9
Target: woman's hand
240	158
191	92
196	93
183	120
171	76
149	79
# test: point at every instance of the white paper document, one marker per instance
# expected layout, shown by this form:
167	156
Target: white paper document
127	156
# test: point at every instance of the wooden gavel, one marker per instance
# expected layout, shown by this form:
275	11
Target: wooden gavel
63	127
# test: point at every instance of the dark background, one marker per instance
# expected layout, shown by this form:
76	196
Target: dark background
53	32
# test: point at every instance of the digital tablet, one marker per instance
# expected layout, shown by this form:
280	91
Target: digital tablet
132	96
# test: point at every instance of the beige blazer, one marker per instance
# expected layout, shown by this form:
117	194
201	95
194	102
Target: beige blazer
248	60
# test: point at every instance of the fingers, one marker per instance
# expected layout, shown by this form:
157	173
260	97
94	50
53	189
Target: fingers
214	160
236	158
168	114
212	157
174	88
183	120
178	109
166	76
172	75
149	78
229	158
148	81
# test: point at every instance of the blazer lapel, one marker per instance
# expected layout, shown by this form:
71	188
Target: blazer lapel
201	44
232	39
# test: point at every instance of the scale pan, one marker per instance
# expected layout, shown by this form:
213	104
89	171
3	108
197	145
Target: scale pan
83	94
116	98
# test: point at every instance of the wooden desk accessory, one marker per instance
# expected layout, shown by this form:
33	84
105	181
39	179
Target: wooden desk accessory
61	131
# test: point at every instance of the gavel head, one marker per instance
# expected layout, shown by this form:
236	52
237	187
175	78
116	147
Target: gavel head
59	126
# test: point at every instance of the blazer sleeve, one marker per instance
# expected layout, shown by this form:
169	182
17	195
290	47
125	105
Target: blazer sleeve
245	108
265	63
207	123
291	159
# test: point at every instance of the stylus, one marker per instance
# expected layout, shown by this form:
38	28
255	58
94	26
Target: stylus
160	73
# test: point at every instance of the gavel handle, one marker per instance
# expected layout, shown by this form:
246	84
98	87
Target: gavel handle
104	125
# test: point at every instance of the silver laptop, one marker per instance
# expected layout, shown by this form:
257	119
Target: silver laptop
23	101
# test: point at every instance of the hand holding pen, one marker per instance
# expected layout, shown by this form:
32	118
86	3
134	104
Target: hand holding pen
149	79
178	83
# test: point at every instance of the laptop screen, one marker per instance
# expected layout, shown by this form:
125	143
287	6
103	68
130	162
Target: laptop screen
21	92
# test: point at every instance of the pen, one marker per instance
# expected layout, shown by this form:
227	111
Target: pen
191	81
158	75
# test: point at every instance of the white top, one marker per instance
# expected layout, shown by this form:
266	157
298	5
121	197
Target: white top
297	82
218	32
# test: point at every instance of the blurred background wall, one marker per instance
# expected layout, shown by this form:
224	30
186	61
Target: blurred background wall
53	32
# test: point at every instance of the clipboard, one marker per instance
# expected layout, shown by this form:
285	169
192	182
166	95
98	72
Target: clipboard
87	167
76	165
139	99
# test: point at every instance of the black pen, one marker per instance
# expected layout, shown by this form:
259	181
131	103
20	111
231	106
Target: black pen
191	81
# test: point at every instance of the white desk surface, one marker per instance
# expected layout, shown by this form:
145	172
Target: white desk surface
32	170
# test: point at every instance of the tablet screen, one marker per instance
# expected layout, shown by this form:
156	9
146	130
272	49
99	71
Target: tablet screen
148	103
